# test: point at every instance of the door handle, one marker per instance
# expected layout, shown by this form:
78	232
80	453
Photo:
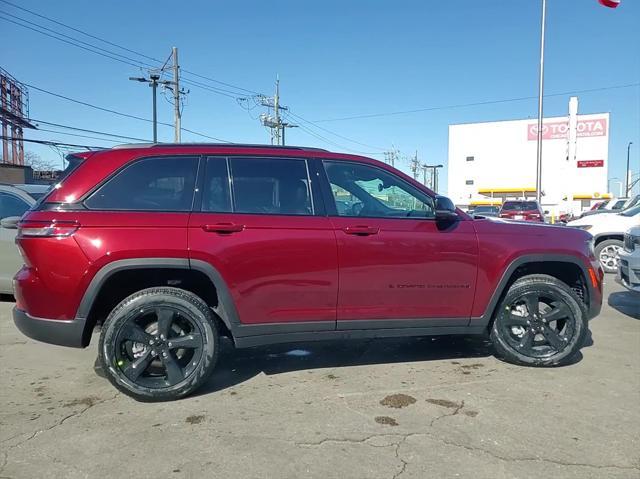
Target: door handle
361	230
223	228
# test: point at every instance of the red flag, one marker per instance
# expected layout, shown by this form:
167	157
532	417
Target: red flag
610	3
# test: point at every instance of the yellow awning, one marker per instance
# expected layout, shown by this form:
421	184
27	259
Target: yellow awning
592	196
486	203
489	191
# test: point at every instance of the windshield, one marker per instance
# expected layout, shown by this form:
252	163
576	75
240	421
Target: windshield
631	211
519	205
485	209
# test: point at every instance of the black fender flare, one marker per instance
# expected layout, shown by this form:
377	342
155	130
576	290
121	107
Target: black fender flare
503	284
226	309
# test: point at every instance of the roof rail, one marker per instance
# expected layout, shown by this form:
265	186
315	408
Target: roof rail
217	145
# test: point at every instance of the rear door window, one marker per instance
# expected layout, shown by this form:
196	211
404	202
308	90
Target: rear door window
277	186
150	184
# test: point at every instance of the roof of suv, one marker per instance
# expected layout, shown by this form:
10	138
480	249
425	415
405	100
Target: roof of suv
215	145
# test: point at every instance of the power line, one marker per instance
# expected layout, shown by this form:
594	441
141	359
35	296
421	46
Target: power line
119	113
463	105
76	40
68	127
112	44
79	31
334	133
78	135
125	60
326	140
57	143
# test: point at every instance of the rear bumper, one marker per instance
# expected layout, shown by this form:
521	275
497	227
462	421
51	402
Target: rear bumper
62	333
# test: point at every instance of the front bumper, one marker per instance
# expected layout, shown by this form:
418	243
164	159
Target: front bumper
629	270
62	333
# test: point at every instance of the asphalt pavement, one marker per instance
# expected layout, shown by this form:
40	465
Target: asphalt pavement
411	408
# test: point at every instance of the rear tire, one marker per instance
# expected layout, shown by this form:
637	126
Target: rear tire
540	322
607	253
159	344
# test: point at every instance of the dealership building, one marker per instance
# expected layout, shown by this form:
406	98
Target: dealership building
494	161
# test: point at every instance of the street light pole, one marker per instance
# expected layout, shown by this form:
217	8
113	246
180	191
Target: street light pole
626	172
154	86
540	105
153	82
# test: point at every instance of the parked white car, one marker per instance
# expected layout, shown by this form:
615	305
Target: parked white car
629	264
608	231
14	201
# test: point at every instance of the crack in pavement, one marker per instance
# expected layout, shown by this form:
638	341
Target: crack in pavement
455	412
405	437
58	423
404	463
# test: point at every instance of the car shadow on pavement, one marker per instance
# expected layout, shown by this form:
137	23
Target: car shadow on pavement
236	366
627	302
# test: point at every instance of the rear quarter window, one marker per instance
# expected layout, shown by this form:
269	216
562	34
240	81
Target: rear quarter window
149	184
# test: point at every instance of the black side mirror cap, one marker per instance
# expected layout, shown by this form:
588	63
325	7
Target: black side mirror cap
445	209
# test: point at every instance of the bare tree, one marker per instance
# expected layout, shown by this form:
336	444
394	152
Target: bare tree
37	163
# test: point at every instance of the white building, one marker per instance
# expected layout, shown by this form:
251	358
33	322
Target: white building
493	161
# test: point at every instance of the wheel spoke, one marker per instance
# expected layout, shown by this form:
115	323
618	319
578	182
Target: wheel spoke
137	367
527	340
532	301
553	338
135	333
165	319
188	341
512	319
559	311
174	371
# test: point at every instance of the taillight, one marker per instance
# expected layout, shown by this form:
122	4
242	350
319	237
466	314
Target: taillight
46	229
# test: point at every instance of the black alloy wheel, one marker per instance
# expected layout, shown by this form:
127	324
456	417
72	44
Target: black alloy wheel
159	344
540	322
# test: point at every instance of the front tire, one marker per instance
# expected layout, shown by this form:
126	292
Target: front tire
607	253
540	322
159	344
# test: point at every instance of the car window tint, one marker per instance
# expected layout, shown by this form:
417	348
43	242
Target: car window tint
363	190
519	205
271	186
215	194
151	184
12	205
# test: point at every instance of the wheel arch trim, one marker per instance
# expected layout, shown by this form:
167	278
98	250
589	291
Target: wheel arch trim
226	309
501	287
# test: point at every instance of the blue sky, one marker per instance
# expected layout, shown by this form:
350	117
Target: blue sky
335	59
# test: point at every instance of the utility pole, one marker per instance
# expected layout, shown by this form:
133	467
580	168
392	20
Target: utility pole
276	109
415	166
153	81
424	168
627	173
275	123
176	96
391	156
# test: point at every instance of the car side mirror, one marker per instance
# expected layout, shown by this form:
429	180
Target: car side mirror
10	222
546	212
445	209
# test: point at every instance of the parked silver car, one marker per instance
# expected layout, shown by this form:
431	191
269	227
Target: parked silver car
14	201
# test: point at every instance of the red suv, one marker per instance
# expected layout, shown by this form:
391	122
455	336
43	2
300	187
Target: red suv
522	210
171	246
